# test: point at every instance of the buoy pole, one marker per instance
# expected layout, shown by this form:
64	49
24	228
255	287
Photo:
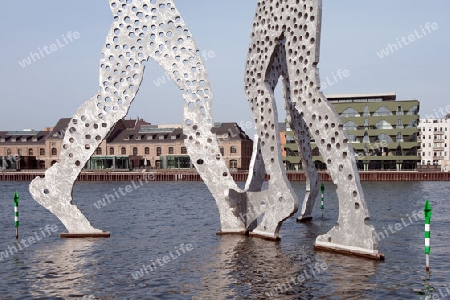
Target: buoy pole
322	190
427	214
16	213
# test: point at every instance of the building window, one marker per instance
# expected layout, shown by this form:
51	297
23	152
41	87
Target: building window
158	151
382	111
170	150
147	150
366	138
233	149
19	152
350	126
366	111
183	150
123	151
221	151
30	152
385	137
383	124
413	124
41	151
350	112
413	111
98	151
233	164
111	151
135	151
54	151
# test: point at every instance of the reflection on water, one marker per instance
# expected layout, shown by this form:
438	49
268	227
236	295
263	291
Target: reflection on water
148	223
248	268
62	269
349	277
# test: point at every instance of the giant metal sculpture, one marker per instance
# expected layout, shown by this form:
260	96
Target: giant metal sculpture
141	30
285	41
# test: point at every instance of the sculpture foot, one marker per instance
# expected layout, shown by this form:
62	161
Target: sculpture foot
352	240
271	208
54	193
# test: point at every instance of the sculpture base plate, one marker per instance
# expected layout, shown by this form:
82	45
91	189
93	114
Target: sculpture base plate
304	219
250	233
239	232
77	235
349	251
265	237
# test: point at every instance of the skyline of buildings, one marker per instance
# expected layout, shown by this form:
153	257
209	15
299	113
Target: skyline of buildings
386	134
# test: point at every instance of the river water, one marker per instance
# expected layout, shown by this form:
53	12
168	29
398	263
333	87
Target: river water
163	246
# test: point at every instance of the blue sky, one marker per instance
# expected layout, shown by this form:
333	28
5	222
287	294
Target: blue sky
353	32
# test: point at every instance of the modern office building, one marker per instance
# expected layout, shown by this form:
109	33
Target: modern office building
131	144
434	136
382	131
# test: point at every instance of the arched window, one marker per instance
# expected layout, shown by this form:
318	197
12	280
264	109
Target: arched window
30	152
123	151
350	112
54	151
233	149
135	151
111	151
147	150
383	124
413	124
382	111
183	150
384	137
352	138
350	126
41	151
413	111
98	151
158	151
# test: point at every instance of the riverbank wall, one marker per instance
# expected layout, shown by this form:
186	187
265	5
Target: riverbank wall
238	176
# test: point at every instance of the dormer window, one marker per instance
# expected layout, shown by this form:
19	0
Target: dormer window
126	138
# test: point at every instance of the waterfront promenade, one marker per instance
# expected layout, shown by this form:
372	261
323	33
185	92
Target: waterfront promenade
192	175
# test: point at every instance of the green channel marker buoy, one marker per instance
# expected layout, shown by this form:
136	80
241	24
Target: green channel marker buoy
322	190
427	214
16	213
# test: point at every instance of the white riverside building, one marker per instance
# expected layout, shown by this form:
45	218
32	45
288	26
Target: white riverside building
434	136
